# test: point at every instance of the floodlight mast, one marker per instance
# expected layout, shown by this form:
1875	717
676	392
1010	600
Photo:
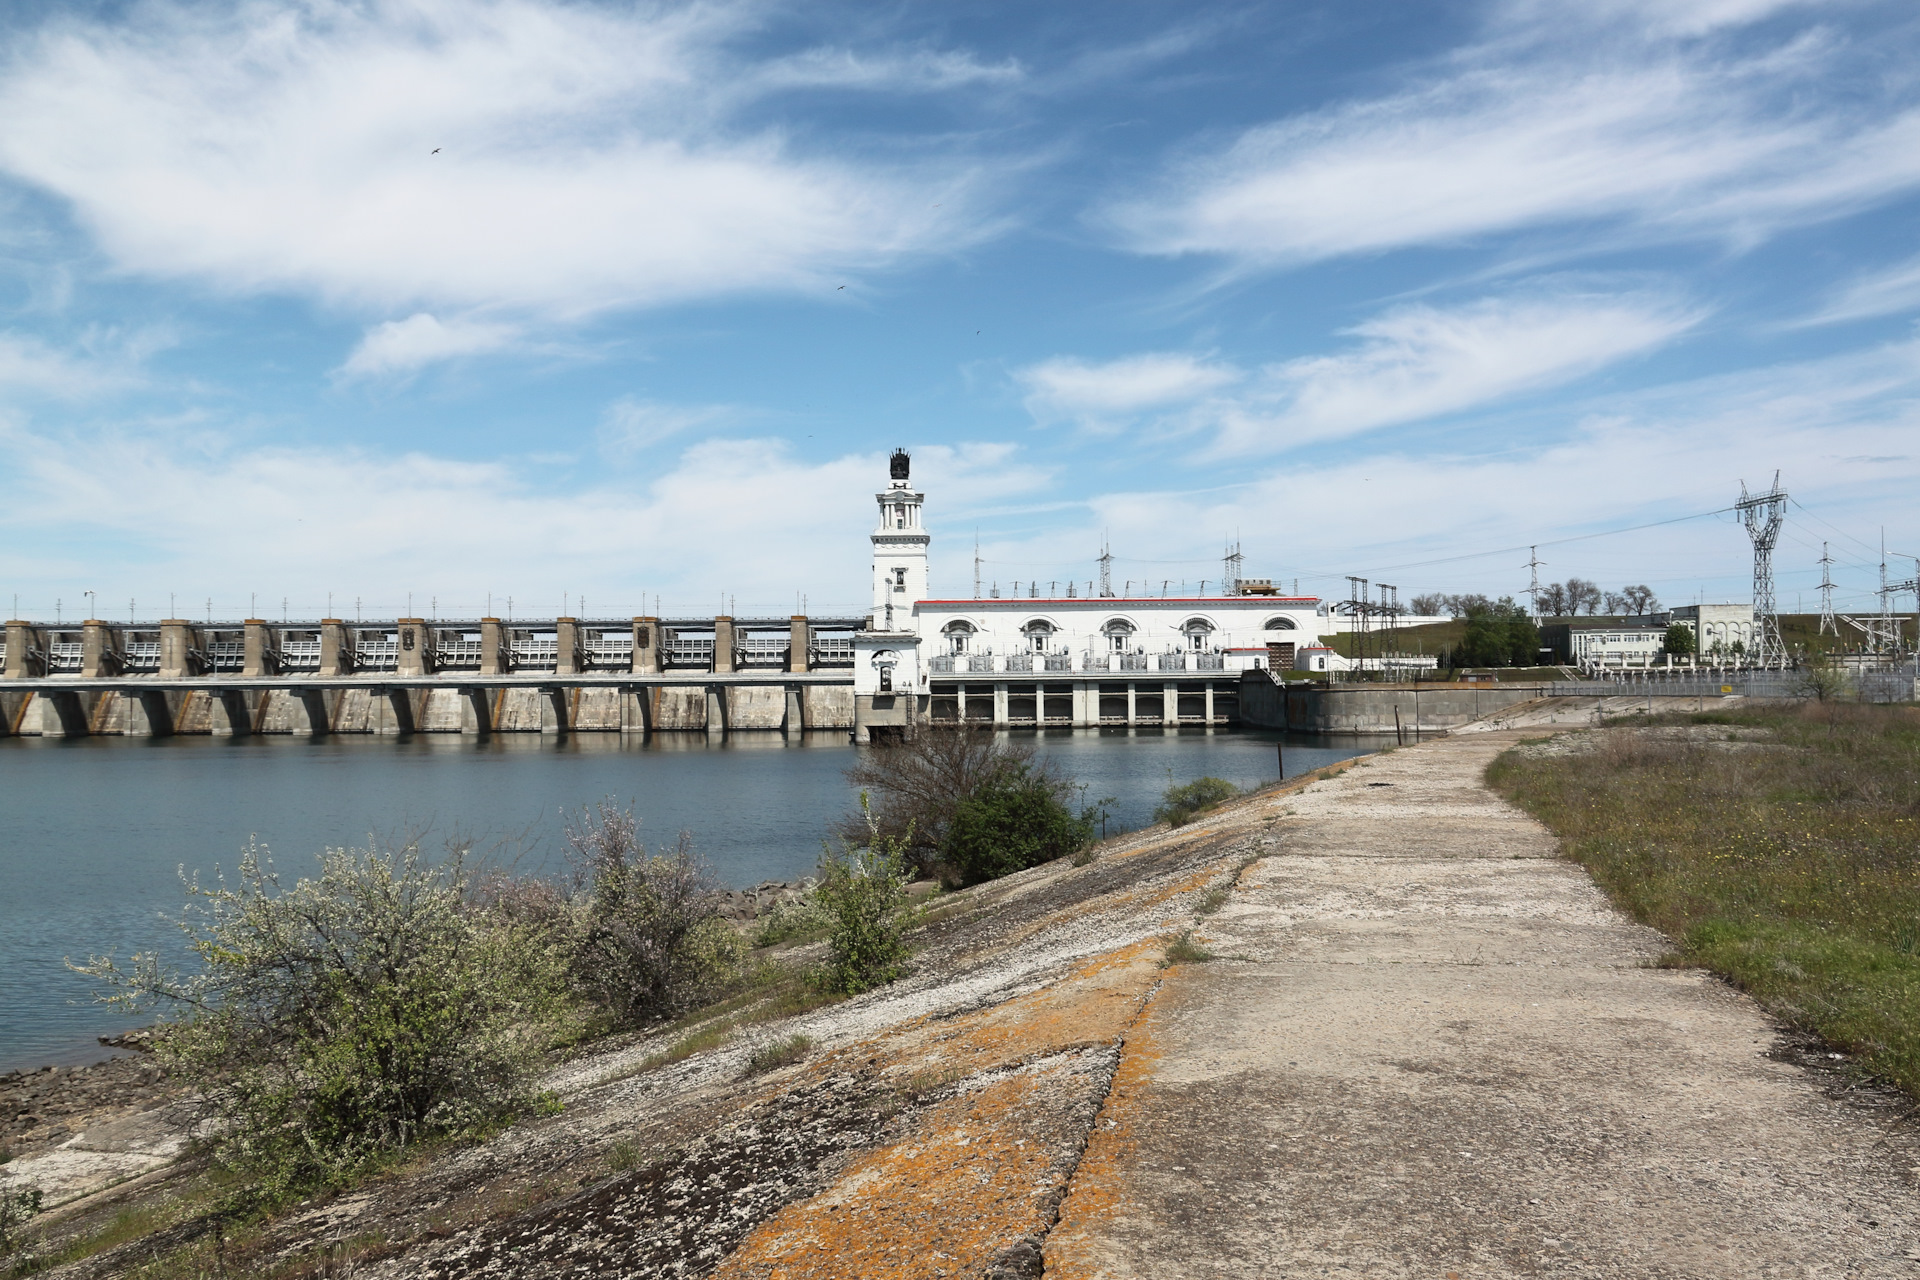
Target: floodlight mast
1763	514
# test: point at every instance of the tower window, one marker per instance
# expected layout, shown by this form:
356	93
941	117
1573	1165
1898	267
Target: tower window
899	579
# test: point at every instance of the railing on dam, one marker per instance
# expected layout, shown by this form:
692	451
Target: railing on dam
415	647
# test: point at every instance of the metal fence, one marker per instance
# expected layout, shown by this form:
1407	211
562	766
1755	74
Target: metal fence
1897	685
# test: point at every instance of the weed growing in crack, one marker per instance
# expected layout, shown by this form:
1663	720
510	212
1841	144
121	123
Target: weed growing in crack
1184	950
780	1053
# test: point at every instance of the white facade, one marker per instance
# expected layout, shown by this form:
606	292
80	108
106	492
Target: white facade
1718	628
899	551
912	639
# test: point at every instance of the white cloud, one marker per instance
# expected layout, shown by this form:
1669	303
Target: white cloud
744	517
1886	292
1659	143
404	346
1665	17
1410	364
586	155
631	426
100	361
1102	394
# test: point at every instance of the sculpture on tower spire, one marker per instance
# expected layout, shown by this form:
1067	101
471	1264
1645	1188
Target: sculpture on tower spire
898	464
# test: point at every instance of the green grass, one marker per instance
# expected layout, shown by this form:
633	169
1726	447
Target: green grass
1184	950
779	1053
1790	864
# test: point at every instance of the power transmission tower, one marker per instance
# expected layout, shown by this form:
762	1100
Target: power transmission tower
1763	514
1234	562
976	564
1533	588
1826	594
1358	607
1106	570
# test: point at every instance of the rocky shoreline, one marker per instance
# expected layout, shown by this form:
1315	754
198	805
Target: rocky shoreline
43	1108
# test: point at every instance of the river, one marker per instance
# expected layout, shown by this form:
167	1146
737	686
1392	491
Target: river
93	830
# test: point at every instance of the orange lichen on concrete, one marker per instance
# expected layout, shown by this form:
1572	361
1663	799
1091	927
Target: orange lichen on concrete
1093	1004
979	1172
1101	1191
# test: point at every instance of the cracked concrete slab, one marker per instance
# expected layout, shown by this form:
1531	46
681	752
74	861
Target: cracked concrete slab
1436	1057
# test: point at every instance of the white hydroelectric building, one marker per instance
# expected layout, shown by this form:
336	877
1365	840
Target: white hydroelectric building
1077	660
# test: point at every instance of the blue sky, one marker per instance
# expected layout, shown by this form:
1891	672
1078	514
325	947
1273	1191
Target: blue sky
1376	289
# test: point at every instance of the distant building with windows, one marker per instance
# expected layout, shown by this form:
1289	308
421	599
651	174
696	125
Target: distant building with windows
1073	660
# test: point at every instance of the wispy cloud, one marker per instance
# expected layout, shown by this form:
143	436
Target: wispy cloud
1885	292
631	426
1407	365
587	156
1107	395
1656	140
406	346
100	361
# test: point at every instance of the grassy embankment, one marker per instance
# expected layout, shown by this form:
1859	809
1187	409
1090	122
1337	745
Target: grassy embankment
1778	847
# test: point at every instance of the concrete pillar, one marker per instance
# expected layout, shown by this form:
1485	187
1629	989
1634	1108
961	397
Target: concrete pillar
149	715
796	720
416	647
999	706
646	646
62	714
1086	704
633	709
1170	704
232	717
314	703
566	638
26	652
716	708
476	712
259	653
336	648
800	641
178	642
494	658
1209	702
722	644
98	654
1131	718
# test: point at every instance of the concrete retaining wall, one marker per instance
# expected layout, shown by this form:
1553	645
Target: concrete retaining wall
1370	708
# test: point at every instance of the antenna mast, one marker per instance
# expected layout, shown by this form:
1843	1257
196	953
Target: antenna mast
1763	514
976	564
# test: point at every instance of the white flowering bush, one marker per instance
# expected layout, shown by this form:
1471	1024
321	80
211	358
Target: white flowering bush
348	1015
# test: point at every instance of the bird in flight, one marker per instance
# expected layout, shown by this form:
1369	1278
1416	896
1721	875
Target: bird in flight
434	152
840	287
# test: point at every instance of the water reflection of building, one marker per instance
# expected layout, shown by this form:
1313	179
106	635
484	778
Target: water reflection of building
1062	660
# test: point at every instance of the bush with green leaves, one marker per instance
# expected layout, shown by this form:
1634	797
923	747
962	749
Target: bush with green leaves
1499	634
647	938
1017	820
16	1207
346	1016
863	888
1178	805
1679	641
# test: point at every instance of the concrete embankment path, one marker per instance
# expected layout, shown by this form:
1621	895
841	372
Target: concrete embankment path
1431	1048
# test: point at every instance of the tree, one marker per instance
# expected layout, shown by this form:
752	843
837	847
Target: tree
1641	599
1616	604
1553	600
918	783
1015	821
1432	604
1680	641
1582	594
1498	635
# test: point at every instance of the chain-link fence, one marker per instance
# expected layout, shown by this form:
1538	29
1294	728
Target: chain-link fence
1896	685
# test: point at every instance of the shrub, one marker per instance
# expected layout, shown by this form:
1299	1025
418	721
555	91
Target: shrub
864	889
16	1207
918	783
1679	641
647	937
1015	821
780	1053
347	1016
1497	635
1178	805
804	917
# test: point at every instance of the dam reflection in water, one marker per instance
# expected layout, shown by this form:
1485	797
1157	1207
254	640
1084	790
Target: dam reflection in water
93	829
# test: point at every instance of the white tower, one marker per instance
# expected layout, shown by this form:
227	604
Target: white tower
899	551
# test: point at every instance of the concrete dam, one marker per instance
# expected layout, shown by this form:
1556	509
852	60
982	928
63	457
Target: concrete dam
556	676
414	675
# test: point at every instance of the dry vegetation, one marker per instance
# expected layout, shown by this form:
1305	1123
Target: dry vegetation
1778	846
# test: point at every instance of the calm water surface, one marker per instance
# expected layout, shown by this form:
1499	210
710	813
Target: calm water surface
92	830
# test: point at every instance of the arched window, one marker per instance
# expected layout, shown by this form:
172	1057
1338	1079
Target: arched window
1281	623
959	634
1039	634
1119	634
1199	633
